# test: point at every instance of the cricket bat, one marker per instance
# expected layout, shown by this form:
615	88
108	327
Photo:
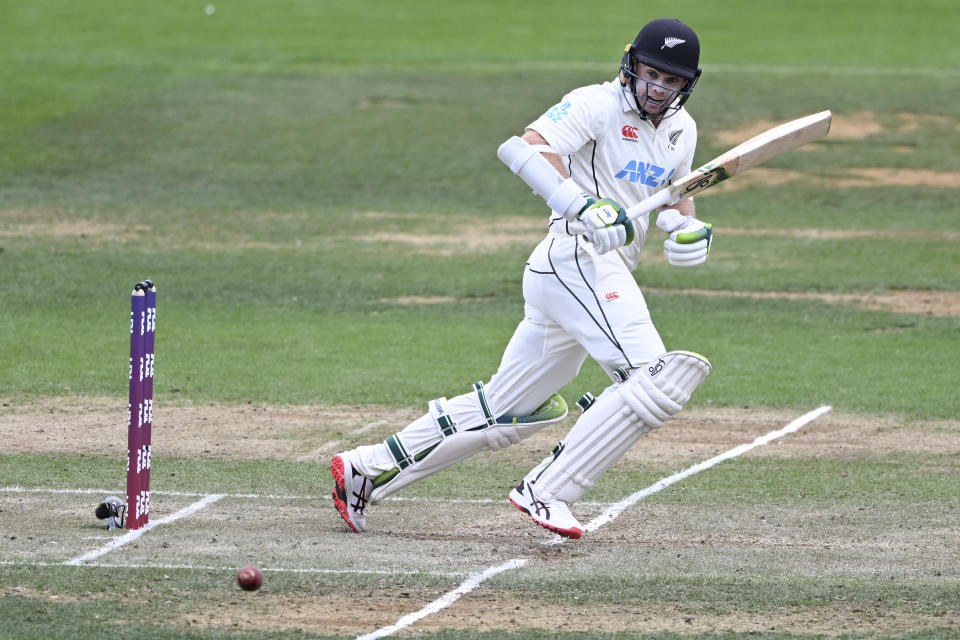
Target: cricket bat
744	156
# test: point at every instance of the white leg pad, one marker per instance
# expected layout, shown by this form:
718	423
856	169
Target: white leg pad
617	420
458	445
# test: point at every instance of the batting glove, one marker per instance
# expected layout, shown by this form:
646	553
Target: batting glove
690	239
608	226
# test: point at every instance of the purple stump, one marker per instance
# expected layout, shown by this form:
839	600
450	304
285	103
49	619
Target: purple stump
147	427
138	313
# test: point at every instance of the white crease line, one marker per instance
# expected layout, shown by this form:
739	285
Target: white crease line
615	510
607	516
184	494
130	536
445	600
198	567
259	496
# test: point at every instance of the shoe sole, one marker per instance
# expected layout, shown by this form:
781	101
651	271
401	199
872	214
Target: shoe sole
340	492
573	534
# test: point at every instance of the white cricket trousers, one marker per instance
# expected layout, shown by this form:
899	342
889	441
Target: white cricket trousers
576	303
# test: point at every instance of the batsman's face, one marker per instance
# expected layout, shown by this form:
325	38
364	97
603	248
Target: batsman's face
656	89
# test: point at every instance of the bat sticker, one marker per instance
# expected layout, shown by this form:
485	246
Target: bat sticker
708	179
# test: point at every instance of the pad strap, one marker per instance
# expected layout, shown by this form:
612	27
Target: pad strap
484	405
586	401
441	414
398	451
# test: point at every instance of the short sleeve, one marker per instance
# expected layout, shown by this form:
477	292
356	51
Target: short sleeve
573	122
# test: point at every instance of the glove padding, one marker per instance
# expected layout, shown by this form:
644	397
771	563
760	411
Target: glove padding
608	226
690	239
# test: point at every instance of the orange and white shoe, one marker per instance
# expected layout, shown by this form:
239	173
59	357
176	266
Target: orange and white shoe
554	515
351	490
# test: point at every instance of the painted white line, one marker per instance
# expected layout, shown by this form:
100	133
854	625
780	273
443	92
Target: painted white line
261	496
199	567
183	494
130	536
607	516
612	512
445	600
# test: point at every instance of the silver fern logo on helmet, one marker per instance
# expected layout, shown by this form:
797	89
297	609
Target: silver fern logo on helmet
658	46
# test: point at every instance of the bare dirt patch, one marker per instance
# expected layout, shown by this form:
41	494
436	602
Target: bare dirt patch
840	234
928	302
408	300
487	611
470	237
703	433
307	433
850	126
78	228
920	301
98	425
492	611
26	592
851	177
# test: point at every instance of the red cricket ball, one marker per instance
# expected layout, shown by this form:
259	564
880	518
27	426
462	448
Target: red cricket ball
249	578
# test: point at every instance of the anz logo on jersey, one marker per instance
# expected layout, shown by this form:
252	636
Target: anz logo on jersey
558	112
645	173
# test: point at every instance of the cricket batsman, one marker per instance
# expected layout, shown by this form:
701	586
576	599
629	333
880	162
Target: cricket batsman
599	150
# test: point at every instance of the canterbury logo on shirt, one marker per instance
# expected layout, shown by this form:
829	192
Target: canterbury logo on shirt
645	173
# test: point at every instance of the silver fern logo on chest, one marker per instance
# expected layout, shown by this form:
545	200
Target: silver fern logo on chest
672	138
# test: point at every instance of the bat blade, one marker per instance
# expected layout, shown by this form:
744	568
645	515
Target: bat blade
744	156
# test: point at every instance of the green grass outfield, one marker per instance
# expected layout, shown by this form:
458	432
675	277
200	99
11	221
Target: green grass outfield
298	178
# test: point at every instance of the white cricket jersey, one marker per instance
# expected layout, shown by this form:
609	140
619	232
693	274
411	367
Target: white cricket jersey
611	152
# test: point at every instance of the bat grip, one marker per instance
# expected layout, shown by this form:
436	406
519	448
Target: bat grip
652	203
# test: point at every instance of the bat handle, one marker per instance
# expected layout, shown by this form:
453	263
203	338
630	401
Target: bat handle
652	203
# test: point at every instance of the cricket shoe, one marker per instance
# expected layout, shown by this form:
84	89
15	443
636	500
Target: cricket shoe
554	515
351	490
